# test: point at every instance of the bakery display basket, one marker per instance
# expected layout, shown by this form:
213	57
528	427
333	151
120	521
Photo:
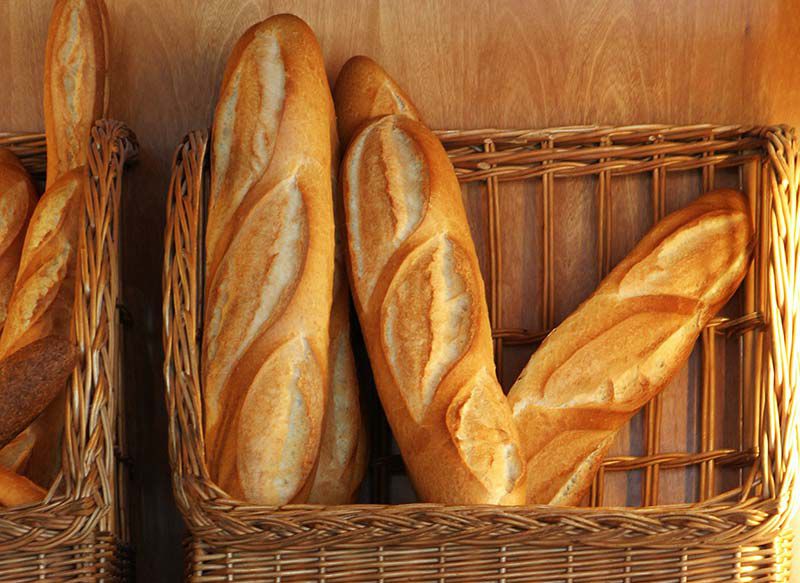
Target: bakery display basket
79	532
698	486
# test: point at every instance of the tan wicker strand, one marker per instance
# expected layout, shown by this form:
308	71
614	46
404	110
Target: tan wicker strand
548	291
74	534
652	411
764	563
730	534
495	266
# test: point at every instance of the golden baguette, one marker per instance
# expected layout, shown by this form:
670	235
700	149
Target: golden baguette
17	201
342	459
363	91
626	341
421	303
420	298
75	81
269	268
41	305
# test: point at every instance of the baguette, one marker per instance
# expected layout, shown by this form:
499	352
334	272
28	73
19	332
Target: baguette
342	459
624	344
421	304
41	305
16	490
75	81
343	450
269	266
17	200
30	379
363	92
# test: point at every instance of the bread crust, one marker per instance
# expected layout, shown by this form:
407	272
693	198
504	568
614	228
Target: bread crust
30	379
42	300
75	81
624	344
363	92
421	304
269	266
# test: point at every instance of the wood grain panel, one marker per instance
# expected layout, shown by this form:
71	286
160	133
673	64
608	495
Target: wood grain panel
575	212
468	64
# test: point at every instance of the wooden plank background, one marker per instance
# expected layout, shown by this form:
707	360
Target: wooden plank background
509	63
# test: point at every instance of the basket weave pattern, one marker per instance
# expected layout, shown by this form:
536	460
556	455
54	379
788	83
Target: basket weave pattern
78	530
722	533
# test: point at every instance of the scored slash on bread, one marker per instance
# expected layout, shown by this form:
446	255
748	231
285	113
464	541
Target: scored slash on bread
269	269
622	345
421	303
42	301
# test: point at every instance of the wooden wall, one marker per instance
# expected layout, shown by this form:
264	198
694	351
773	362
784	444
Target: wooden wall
504	63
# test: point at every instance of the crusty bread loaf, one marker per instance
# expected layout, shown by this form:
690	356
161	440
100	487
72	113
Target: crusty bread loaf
421	303
16	490
363	92
269	266
41	305
75	81
17	200
30	379
625	343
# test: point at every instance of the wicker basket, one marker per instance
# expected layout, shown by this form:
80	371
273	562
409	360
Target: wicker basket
80	532
734	495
